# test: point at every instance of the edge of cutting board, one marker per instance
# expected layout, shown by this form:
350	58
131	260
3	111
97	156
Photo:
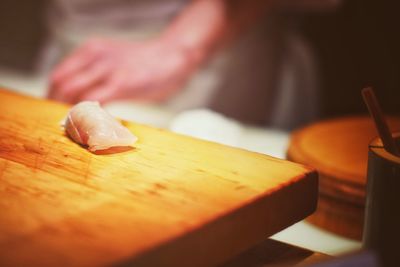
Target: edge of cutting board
241	226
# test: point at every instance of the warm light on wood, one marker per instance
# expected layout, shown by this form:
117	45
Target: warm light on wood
171	200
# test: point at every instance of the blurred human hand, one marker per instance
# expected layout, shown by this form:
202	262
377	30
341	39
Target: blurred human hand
105	70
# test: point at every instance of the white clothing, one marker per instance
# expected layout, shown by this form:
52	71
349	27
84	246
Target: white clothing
267	76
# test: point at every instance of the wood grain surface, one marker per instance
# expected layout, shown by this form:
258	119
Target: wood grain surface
170	201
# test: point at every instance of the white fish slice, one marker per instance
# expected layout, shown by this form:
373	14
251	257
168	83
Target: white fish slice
88	124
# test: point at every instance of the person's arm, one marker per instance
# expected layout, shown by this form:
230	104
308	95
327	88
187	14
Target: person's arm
155	69
107	69
207	25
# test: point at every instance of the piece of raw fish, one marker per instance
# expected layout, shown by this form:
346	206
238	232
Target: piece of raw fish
88	124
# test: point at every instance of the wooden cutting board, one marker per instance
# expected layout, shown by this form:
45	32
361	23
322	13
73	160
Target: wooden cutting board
170	201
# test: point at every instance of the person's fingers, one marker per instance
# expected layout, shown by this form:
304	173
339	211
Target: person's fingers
74	63
104	92
119	87
147	85
57	87
70	90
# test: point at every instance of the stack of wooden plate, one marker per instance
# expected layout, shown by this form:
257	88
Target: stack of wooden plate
338	149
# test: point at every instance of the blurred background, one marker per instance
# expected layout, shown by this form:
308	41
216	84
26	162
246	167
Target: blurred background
355	45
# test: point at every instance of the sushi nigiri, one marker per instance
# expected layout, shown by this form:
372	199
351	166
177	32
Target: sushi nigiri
88	124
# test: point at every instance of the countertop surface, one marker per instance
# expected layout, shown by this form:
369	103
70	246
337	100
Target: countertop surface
263	140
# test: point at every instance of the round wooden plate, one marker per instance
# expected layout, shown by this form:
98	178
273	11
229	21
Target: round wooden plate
338	149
